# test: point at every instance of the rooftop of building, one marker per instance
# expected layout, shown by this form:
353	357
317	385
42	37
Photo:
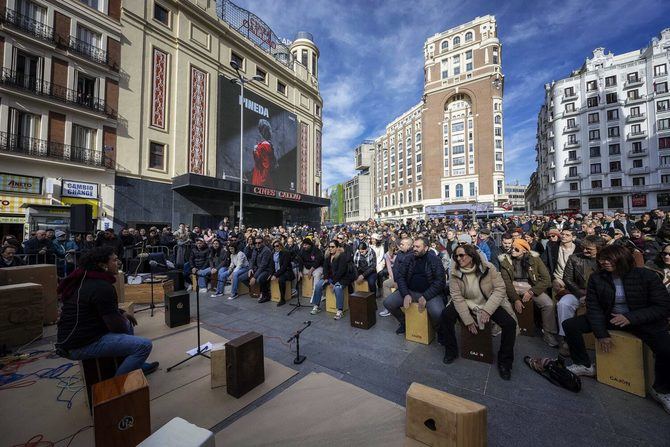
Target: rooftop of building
461	27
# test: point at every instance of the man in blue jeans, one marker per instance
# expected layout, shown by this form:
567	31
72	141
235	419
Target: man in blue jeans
91	324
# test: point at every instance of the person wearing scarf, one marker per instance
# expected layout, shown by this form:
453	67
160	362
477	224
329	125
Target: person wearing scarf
91	324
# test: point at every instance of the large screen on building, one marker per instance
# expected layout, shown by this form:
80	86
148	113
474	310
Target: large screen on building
270	136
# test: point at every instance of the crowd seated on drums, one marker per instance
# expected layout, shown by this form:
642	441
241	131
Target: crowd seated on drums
457	269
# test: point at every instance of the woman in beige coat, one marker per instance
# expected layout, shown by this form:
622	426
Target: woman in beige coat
477	288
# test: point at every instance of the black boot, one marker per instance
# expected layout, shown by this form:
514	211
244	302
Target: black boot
505	371
449	357
401	329
281	302
264	298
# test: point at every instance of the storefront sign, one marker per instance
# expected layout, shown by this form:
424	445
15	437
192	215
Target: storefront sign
639	200
79	189
20	184
269	192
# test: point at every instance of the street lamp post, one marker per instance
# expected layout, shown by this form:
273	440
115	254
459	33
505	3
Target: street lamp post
241	80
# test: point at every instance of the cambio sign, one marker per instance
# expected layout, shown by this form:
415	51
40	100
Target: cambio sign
79	189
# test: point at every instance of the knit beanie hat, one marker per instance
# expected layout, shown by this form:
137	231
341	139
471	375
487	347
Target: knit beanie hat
521	243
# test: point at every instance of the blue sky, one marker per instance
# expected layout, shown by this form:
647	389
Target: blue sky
371	64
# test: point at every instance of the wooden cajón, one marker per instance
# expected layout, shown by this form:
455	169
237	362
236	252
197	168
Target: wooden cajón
477	347
527	319
121	414
623	366
307	286
245	368
97	370
217	358
255	290
437	418
418	327
363	309
42	274
21	313
331	302
361	286
275	294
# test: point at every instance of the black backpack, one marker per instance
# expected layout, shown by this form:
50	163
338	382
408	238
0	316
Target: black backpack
554	370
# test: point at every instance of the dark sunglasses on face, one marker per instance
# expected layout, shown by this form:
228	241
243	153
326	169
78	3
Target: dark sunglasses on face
461	255
665	253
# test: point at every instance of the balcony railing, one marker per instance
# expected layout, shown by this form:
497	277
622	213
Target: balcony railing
635	99
39	30
633	83
569	129
638	153
640	170
634	118
57	92
571	144
33	147
636	135
87	50
573	161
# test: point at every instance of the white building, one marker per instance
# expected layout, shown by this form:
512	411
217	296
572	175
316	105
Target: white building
516	194
603	136
358	198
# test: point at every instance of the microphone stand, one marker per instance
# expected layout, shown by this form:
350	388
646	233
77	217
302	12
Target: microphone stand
298	286
299	358
198	352
152	306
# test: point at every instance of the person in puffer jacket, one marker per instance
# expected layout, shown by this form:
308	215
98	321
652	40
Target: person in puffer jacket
365	262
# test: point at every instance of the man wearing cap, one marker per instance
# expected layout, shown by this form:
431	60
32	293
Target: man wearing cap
524	269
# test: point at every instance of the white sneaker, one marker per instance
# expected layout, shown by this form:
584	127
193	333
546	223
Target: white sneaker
384	313
315	310
581	370
189	288
233	297
216	295
663	399
338	315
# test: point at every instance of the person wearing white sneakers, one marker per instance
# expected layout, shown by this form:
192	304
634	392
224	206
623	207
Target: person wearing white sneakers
627	298
336	272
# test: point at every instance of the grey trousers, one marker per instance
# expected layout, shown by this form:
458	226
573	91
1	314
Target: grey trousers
434	306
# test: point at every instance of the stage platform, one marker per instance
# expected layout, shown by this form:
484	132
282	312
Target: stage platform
368	368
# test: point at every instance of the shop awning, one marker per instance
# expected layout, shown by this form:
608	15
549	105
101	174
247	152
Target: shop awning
12	204
80	201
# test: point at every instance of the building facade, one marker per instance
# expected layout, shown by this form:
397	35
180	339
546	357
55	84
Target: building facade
59	89
603	134
446	154
516	194
179	150
358	194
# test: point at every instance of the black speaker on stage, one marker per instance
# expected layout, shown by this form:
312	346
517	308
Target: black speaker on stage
81	218
177	308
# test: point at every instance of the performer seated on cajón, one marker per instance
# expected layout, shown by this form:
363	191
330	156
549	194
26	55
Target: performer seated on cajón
336	272
420	279
91	324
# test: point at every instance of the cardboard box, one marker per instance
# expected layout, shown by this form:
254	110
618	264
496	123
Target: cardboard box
417	325
307	286
623	366
43	274
21	313
331	303
437	418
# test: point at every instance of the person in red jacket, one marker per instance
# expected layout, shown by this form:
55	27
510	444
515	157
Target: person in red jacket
265	161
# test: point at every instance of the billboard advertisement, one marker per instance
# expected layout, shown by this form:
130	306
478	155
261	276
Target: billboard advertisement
270	140
336	210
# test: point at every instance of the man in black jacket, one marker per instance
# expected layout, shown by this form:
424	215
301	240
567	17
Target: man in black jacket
365	262
282	271
7	258
40	249
261	268
403	255
624	297
199	263
310	262
420	279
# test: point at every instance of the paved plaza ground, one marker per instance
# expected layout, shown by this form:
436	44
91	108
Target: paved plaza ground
527	411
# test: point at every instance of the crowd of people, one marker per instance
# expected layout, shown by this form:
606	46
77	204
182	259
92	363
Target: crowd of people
584	273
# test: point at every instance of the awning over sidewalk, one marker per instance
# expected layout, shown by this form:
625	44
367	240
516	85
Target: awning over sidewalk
189	184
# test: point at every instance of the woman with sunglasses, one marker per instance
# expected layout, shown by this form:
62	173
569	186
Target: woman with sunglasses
283	272
623	297
477	287
336	272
